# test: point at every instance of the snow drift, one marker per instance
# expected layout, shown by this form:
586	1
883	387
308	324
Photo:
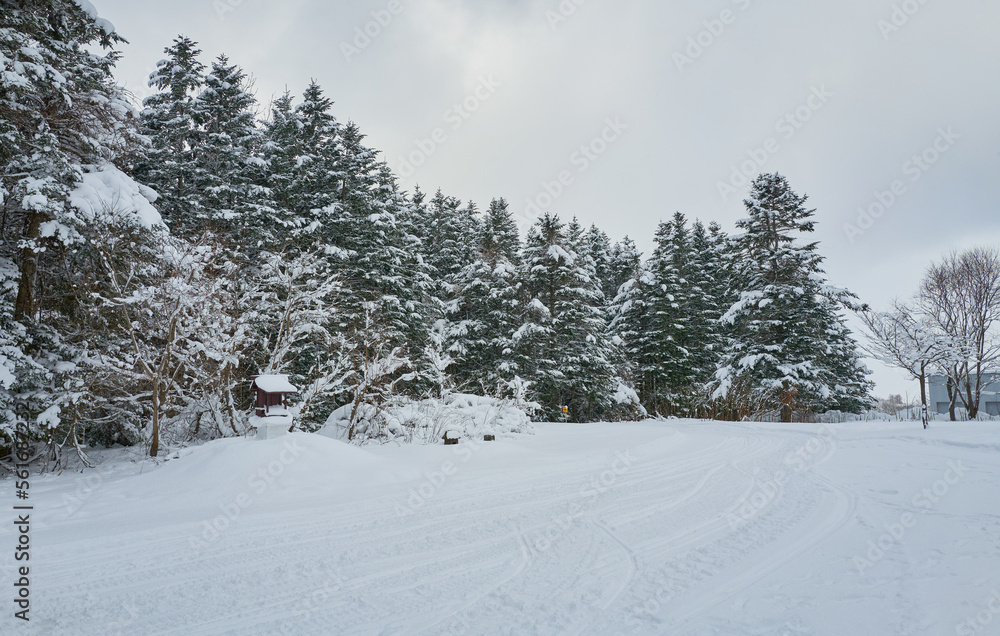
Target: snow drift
427	421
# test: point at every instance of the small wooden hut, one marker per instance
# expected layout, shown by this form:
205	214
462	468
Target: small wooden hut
272	393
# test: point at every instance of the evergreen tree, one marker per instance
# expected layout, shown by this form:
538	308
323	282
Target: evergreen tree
227	156
789	348
484	316
563	343
171	121
668	373
63	120
707	300
598	247
449	239
274	221
623	264
630	315
377	257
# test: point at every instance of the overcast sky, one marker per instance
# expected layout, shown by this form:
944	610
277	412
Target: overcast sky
643	108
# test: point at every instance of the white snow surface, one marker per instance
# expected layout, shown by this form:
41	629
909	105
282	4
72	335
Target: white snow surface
468	416
91	11
677	527
106	189
275	384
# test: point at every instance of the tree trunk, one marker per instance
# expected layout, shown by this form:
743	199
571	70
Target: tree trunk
24	307
973	398
952	398
924	418
787	400
154	444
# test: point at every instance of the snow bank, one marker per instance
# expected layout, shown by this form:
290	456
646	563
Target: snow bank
298	469
426	421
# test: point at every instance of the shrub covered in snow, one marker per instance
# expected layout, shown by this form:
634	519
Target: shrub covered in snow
426	421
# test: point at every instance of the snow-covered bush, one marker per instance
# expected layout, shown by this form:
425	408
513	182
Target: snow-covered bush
405	420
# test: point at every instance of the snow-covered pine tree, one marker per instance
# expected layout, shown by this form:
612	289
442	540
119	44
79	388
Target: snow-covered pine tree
625	260
484	314
171	119
63	119
448	239
598	247
706	303
323	173
563	345
852	385
228	156
788	350
377	257
628	312
668	373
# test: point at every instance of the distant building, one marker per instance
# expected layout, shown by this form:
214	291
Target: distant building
989	399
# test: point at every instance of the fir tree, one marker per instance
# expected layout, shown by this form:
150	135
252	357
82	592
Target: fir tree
671	320
789	349
171	121
63	121
563	345
623	264
598	247
230	142
707	300
484	315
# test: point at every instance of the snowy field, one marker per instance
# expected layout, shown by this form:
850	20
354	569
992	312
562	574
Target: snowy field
655	528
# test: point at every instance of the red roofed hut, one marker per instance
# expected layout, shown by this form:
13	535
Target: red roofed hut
272	393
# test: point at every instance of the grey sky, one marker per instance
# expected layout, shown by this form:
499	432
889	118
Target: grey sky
869	84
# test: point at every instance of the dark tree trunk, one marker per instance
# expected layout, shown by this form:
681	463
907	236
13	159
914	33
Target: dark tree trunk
952	398
24	306
973	397
924	418
787	403
154	444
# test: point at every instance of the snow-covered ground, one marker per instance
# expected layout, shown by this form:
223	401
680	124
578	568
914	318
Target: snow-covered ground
674	527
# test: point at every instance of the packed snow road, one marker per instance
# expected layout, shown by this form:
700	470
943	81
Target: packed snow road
674	527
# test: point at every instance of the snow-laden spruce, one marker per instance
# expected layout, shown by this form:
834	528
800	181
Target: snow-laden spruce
789	349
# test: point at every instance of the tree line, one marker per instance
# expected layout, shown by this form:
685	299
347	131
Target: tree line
154	258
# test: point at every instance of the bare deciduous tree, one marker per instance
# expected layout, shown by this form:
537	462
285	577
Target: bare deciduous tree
901	338
961	295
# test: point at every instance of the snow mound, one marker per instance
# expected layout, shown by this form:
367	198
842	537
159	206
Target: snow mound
293	471
108	190
426	421
294	460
